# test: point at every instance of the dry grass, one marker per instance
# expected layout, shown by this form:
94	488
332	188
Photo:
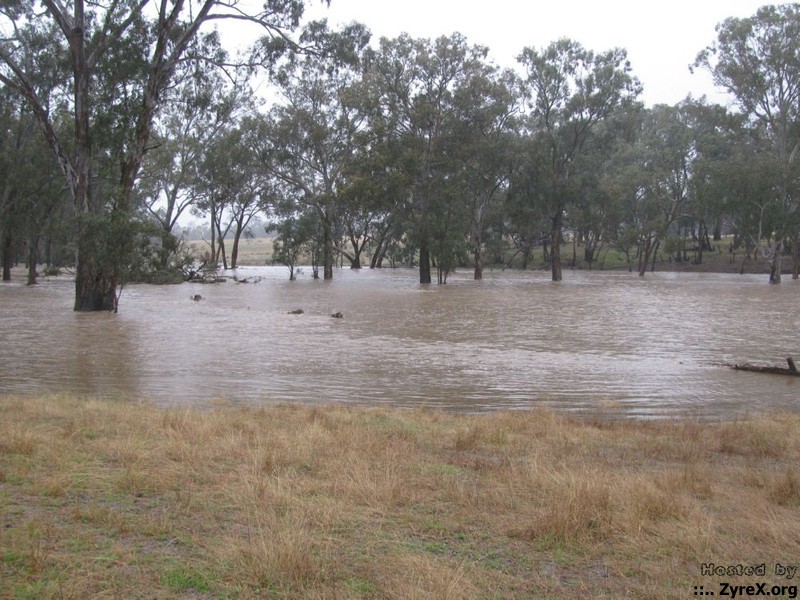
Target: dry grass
107	499
252	251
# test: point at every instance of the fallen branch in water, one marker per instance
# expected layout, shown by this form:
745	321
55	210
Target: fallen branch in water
791	370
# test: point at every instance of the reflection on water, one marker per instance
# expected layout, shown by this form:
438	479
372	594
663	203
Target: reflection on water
607	343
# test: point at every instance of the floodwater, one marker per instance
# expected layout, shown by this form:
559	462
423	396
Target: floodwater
604	343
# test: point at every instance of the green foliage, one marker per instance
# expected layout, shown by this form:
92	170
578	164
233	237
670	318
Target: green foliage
182	579
133	249
416	150
298	236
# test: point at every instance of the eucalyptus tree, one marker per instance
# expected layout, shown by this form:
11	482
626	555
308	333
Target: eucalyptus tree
369	200
30	188
377	185
409	97
482	144
591	216
119	58
570	90
716	134
307	138
747	180
198	109
231	185
525	203
757	59
652	179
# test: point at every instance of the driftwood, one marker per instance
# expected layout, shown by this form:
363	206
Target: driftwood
791	370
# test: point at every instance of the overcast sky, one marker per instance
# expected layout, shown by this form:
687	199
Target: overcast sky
662	38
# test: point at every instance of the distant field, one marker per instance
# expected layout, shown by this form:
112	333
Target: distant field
256	252
252	252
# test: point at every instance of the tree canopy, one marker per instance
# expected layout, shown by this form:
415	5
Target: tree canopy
417	151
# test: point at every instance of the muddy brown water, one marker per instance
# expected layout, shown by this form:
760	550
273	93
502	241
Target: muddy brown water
601	343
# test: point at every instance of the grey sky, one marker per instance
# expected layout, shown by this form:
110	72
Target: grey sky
662	38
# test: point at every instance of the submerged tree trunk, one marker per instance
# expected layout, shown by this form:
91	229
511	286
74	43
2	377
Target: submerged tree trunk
478	273
555	248
424	261
93	291
8	259
327	250
775	263
33	251
645	247
237	236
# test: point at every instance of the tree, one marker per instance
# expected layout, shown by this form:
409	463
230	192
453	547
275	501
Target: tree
231	184
408	97
482	144
197	112
525	205
307	140
122	58
715	131
651	178
570	90
757	59
30	189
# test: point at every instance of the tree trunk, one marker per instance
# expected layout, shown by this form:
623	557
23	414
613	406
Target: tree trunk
424	261
718	230
645	248
379	255
8	258
221	252
93	291
526	257
796	256
235	250
555	248
775	263
478	275
655	255
327	250
213	234
33	248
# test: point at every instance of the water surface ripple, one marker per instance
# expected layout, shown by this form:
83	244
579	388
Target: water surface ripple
606	343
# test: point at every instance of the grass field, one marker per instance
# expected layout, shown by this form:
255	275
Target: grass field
108	499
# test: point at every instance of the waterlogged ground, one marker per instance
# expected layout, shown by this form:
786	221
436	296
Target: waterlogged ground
607	343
